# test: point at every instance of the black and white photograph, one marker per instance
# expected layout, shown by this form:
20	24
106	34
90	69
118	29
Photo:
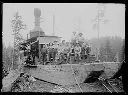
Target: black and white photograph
63	47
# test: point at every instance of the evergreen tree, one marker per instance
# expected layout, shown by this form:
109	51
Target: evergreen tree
4	70
7	55
122	52
17	26
114	47
101	53
108	52
3	53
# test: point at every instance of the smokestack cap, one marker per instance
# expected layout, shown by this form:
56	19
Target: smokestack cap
37	12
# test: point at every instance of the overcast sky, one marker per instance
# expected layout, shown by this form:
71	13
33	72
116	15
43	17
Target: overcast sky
67	17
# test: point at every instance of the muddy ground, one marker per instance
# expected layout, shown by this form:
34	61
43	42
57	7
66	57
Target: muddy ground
36	85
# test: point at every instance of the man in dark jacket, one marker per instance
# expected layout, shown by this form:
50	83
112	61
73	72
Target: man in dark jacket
72	55
54	53
44	52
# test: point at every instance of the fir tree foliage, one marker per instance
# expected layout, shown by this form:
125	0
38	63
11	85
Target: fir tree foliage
111	49
17	26
7	55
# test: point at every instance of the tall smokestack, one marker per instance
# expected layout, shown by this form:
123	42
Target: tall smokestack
37	31
37	14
